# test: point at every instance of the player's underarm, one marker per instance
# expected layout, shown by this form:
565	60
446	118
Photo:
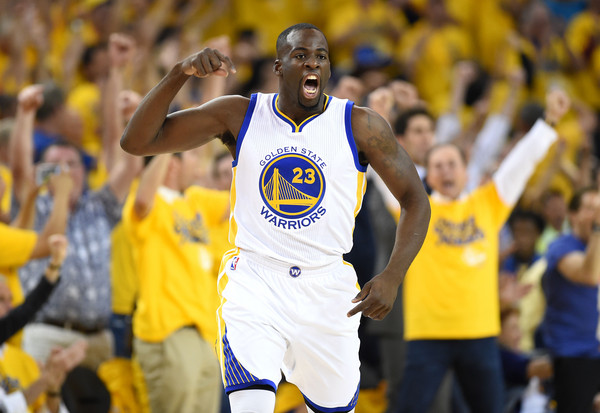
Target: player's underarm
159	135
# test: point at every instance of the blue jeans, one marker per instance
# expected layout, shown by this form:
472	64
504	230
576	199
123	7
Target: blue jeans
476	365
120	325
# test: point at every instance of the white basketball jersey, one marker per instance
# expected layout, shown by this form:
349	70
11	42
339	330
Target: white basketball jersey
296	188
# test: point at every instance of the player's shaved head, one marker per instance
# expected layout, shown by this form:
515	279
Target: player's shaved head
282	38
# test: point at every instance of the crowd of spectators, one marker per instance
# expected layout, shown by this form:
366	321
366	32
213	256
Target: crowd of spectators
472	75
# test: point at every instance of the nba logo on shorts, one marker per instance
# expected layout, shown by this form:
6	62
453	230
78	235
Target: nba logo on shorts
295	271
234	262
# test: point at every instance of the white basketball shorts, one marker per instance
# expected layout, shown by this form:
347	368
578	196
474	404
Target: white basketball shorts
279	318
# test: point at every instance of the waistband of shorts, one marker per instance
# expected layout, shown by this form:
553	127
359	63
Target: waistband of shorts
286	267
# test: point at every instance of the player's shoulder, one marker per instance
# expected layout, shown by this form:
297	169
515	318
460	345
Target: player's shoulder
233	103
230	110
367	121
225	106
365	114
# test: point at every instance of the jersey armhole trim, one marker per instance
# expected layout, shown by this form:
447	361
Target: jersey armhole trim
350	136
244	128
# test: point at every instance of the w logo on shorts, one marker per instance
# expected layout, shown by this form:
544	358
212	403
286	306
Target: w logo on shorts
234	262
295	271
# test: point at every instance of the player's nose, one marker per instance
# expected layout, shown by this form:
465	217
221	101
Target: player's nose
312	62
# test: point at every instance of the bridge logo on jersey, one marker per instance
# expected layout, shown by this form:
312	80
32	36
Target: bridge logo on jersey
292	186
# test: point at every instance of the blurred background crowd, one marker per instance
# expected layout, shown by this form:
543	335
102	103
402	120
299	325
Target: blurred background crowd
471	72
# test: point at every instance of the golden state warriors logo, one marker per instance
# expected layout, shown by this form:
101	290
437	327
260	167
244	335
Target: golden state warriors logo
292	186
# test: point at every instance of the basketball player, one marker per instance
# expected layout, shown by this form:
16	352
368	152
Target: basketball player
288	299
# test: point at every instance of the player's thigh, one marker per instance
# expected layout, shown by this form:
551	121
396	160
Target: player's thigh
326	369
251	347
323	358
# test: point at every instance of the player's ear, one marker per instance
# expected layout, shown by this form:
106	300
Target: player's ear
277	67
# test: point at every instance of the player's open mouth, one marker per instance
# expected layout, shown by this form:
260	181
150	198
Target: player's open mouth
310	87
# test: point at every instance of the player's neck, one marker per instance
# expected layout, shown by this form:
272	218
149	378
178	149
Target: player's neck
296	111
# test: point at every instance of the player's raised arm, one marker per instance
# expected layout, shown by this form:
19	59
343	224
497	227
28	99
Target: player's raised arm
151	130
377	143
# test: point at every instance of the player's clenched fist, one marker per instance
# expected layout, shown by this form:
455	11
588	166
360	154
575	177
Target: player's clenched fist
208	62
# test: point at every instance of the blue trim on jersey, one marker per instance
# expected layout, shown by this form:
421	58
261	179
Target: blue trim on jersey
289	121
244	128
229	389
350	136
236	376
343	409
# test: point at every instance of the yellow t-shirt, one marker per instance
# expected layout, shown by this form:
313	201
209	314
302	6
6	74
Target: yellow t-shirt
219	242
17	371
582	28
174	263
124	280
369	25
118	376
495	26
16	246
123	275
6	197
579	35
85	99
433	68
570	130
267	17
219	245
11	82
451	288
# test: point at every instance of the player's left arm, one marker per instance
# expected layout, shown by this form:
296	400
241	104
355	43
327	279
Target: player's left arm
378	145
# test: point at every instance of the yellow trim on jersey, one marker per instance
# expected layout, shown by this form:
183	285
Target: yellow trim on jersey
350	265
297	127
233	227
361	188
222	281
